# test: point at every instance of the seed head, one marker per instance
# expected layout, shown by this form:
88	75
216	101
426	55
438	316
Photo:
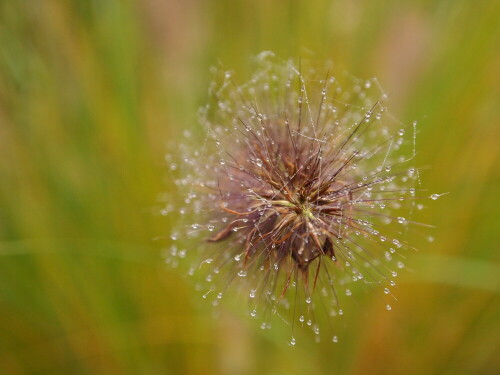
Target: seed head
295	187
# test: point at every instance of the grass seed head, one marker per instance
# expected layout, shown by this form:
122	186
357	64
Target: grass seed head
298	190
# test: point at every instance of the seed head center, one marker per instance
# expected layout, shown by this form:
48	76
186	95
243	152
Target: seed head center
307	211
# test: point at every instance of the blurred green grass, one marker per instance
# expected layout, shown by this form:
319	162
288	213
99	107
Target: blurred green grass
92	91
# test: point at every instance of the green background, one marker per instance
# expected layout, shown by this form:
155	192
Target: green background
91	92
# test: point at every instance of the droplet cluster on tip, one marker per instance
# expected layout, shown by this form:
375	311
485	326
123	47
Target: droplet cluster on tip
304	185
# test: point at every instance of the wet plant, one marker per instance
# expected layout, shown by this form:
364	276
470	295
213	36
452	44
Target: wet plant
303	185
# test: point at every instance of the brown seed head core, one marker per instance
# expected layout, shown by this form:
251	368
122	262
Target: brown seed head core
295	202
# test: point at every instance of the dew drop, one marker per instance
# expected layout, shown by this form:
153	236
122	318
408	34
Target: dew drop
207	293
388	307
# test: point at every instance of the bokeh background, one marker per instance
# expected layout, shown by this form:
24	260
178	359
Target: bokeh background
91	92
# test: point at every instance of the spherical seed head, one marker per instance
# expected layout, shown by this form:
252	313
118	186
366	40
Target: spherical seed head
297	177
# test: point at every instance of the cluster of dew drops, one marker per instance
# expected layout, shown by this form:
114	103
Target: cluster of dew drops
195	165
